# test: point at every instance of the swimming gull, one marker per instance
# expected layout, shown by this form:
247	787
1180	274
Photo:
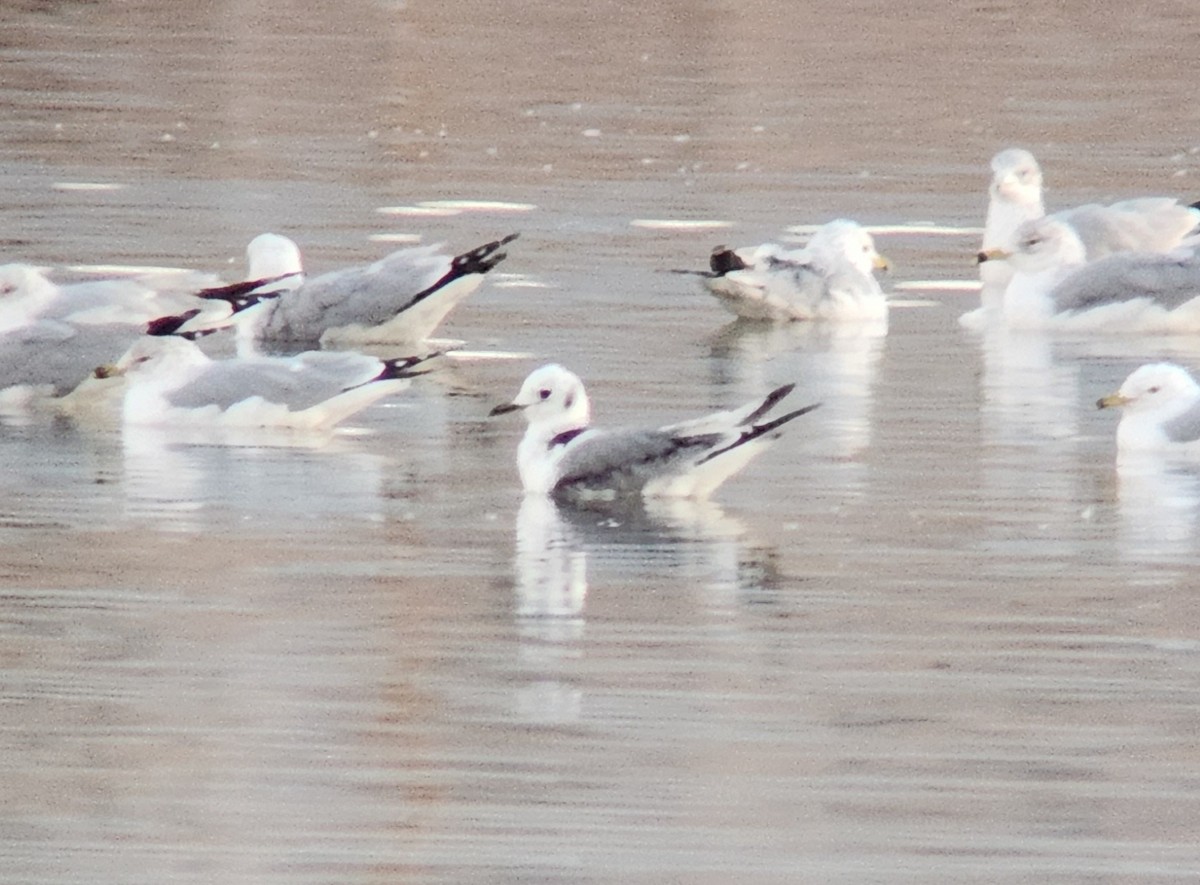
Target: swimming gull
829	279
561	454
399	299
27	296
172	382
44	362
1054	286
1146	224
1161	404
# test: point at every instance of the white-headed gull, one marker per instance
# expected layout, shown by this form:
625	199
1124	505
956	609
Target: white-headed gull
1147	224
1161	410
172	382
1054	286
399	299
561	454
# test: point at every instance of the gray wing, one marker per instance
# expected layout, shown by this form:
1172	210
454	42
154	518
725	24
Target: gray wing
59	355
1147	224
1184	428
367	296
297	382
1170	280
626	460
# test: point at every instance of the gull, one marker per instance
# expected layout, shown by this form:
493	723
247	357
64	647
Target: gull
1054	286
50	362
399	299
829	279
1161	404
1146	224
171	382
561	454
27	296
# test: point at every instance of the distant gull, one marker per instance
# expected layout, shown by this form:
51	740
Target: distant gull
831	278
27	295
399	299
44	362
1161	404
171	382
562	455
1147	224
1054	286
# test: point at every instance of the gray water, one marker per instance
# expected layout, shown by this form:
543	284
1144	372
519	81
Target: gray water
930	636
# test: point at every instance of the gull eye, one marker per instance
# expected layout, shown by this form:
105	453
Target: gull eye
1154	389
544	393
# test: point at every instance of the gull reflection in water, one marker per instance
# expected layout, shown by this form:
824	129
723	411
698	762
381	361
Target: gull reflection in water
185	480
693	544
551	585
834	363
1158	504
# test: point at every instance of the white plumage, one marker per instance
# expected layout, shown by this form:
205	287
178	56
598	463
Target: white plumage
562	454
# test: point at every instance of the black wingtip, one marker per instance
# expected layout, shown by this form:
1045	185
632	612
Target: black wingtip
761	429
724	260
769	403
172	324
235	292
407	366
479	260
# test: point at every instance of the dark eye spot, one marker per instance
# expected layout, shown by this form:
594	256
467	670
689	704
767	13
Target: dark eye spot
544	393
1153	390
570	400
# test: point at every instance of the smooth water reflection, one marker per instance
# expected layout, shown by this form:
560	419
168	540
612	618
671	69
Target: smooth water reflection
935	634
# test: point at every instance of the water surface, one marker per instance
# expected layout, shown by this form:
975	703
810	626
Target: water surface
931	636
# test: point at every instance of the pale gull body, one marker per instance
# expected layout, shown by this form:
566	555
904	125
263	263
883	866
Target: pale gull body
45	361
1055	287
561	454
399	299
1161	411
1147	224
172	382
831	278
27	296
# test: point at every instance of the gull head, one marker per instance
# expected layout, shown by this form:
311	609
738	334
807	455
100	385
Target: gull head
847	241
1042	244
152	355
1162	389
551	397
272	255
1016	178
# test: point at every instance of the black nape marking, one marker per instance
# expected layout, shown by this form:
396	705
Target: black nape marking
565	437
479	260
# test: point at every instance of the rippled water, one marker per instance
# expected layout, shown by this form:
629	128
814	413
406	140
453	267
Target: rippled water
931	636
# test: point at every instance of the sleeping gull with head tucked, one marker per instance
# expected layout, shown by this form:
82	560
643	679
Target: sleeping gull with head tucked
171	382
1147	224
831	278
399	299
1055	287
561	454
1161	404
